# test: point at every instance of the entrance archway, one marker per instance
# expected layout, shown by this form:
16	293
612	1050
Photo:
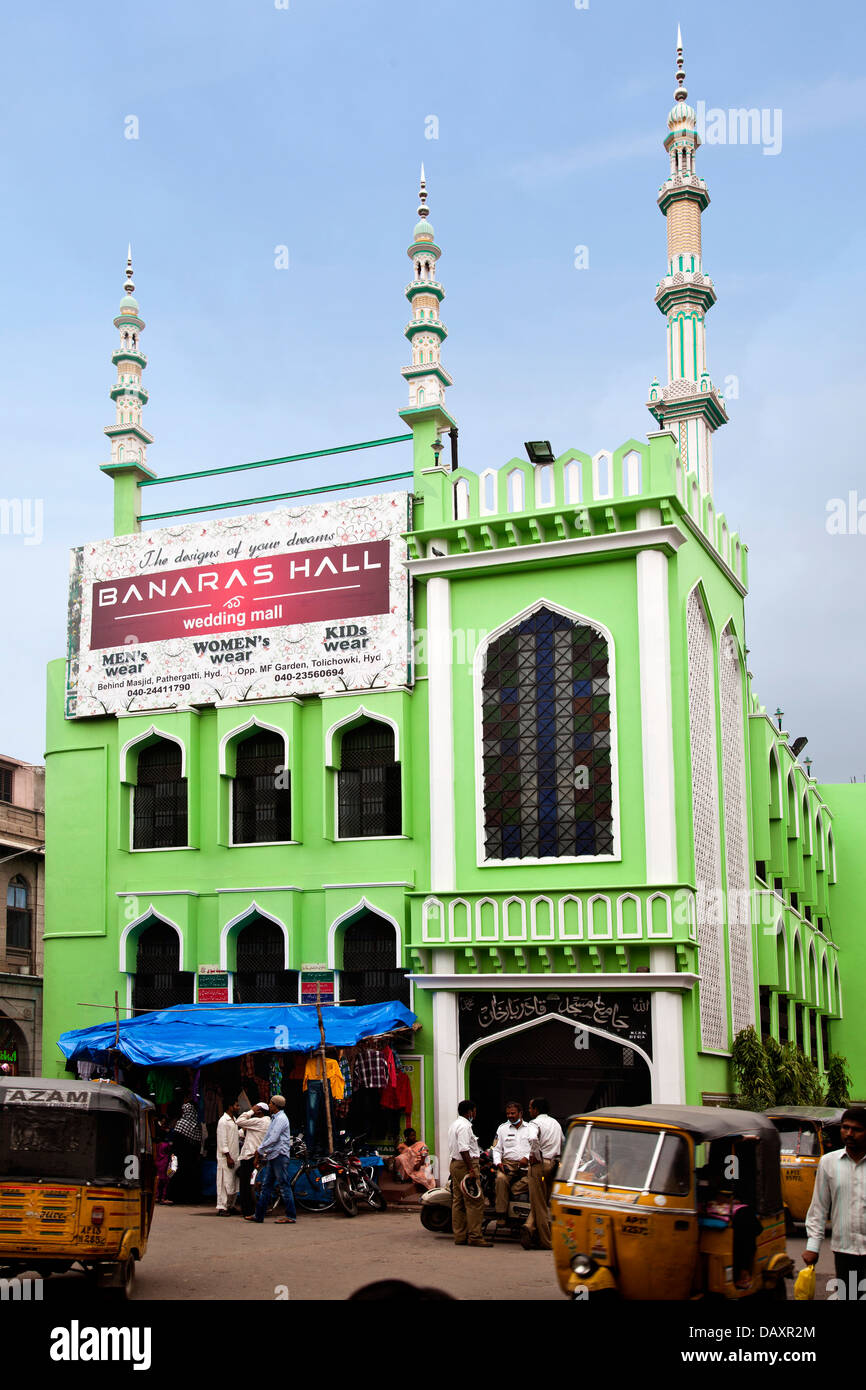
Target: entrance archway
14	1051
574	1069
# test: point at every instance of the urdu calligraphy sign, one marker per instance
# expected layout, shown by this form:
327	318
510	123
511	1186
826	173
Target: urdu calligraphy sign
616	1014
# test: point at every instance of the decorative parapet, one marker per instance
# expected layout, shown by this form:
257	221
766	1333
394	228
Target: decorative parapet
576	495
555	919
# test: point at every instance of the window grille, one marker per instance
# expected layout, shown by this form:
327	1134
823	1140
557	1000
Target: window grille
261	796
370	974
159	799
705	818
6	780
546	741
158	982
736	834
261	974
18	933
368	783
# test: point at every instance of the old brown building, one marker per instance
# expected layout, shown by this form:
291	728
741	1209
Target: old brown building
22	851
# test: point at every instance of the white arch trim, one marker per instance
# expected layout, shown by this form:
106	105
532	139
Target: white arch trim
149	915
478	665
571	1023
252	723
248	911
363	905
151	732
360	713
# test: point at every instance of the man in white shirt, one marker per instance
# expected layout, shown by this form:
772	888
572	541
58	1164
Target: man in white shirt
840	1195
543	1161
227	1160
253	1124
466	1211
511	1149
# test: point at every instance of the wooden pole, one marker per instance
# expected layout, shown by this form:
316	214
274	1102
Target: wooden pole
116	1031
327	1096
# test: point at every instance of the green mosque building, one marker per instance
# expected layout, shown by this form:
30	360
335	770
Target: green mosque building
487	745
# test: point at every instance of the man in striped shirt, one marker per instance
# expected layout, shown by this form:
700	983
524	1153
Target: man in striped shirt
840	1196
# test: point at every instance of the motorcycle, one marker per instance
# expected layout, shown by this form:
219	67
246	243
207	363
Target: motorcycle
436	1205
355	1182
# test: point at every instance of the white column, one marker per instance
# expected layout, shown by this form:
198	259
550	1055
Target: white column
440	736
656	709
669	1068
443	871
446	1053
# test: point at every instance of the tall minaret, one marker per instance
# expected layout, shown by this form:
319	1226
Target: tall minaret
129	439
426	376
689	404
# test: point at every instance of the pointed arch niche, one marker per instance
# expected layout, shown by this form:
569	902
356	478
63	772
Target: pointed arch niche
365	944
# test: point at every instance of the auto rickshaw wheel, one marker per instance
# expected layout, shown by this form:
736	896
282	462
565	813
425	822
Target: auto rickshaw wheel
124	1288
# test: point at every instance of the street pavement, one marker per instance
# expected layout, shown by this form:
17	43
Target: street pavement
194	1254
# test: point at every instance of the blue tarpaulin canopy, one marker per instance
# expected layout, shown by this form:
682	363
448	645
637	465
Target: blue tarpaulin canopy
192	1035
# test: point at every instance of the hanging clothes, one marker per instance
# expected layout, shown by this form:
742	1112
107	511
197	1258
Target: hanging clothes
347	1077
388	1054
160	1084
370	1070
313	1071
275	1075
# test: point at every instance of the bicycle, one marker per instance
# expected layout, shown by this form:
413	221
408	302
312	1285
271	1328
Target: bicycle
316	1191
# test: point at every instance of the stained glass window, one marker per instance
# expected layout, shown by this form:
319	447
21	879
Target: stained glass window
546	741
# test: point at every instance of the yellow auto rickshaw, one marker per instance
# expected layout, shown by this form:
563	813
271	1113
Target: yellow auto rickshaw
669	1202
806	1133
77	1179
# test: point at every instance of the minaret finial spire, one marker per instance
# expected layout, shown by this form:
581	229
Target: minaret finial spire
426	377
688	403
129	285
680	94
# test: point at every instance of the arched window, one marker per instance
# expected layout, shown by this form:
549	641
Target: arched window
370	972
572	481
159	812
546	741
515	491
631	473
792	807
368	783
261	959
261	793
159	982
544	485
461	499
18	934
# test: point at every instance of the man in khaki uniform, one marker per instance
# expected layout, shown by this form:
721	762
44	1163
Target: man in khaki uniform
543	1161
464	1152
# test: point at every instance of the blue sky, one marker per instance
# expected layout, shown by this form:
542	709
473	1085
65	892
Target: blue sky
305	127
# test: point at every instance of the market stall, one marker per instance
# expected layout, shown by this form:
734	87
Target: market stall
338	1066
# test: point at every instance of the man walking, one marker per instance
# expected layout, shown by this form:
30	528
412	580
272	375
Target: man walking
511	1149
543	1160
274	1151
467	1209
840	1196
227	1145
253	1125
